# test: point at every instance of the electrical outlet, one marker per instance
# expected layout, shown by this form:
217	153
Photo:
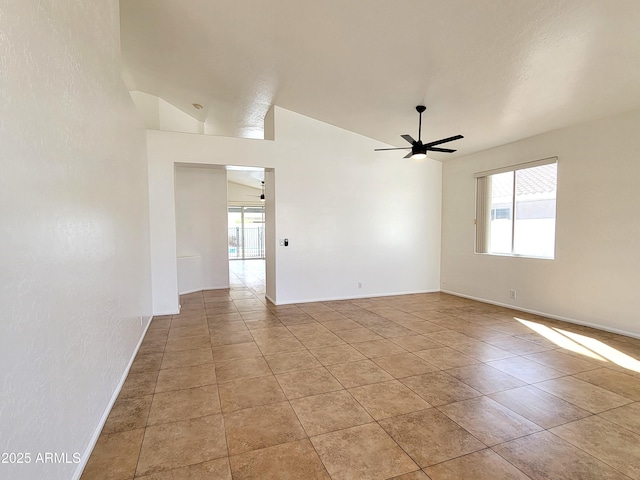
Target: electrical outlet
359	284
512	294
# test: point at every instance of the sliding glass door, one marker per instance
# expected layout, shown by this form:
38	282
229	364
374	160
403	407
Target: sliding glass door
246	232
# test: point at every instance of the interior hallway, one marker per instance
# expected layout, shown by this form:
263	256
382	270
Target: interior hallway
407	387
249	274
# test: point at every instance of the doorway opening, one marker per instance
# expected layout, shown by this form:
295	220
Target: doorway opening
246	232
250	229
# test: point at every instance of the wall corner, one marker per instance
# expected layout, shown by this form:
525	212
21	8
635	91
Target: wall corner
269	124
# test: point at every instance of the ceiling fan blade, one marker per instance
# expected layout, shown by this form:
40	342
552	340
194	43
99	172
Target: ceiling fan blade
409	139
381	149
408	155
444	140
445	150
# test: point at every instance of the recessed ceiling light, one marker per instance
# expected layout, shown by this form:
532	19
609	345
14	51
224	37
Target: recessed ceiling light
197	106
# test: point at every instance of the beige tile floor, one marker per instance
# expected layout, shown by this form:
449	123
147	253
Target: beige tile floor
408	387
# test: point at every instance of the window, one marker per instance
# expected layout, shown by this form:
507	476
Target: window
516	210
501	213
246	232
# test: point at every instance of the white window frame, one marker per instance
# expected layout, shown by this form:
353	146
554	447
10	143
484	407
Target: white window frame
483	207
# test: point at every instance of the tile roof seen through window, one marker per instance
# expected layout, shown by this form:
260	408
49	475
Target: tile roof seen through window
530	181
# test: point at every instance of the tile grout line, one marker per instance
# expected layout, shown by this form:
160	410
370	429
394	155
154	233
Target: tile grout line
152	401
371	359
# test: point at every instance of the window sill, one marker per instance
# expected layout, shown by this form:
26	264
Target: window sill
514	255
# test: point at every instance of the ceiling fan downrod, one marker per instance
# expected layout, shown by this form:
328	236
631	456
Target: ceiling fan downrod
420	109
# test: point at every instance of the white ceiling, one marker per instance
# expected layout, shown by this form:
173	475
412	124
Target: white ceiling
494	71
247	176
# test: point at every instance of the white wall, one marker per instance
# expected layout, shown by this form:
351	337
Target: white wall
351	215
74	236
173	119
148	107
201	227
158	114
595	277
243	195
271	246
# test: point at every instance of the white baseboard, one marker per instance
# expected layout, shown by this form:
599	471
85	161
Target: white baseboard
186	292
105	415
548	315
219	287
351	297
167	312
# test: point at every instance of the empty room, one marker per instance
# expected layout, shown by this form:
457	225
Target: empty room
320	240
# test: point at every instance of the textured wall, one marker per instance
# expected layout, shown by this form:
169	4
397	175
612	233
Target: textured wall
595	275
158	114
351	214
74	254
201	224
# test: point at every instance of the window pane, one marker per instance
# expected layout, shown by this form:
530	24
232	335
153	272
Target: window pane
501	186
246	232
235	232
535	226
253	232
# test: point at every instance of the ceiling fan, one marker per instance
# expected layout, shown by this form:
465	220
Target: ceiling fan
419	149
261	196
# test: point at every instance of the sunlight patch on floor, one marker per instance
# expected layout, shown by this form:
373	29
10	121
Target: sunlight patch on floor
583	345
559	339
612	354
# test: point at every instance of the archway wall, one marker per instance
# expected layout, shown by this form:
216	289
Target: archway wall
358	223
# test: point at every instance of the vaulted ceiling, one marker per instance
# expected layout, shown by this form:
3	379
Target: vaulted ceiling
495	71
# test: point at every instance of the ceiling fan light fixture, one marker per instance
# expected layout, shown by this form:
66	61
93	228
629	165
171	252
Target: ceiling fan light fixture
418	152
418	149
